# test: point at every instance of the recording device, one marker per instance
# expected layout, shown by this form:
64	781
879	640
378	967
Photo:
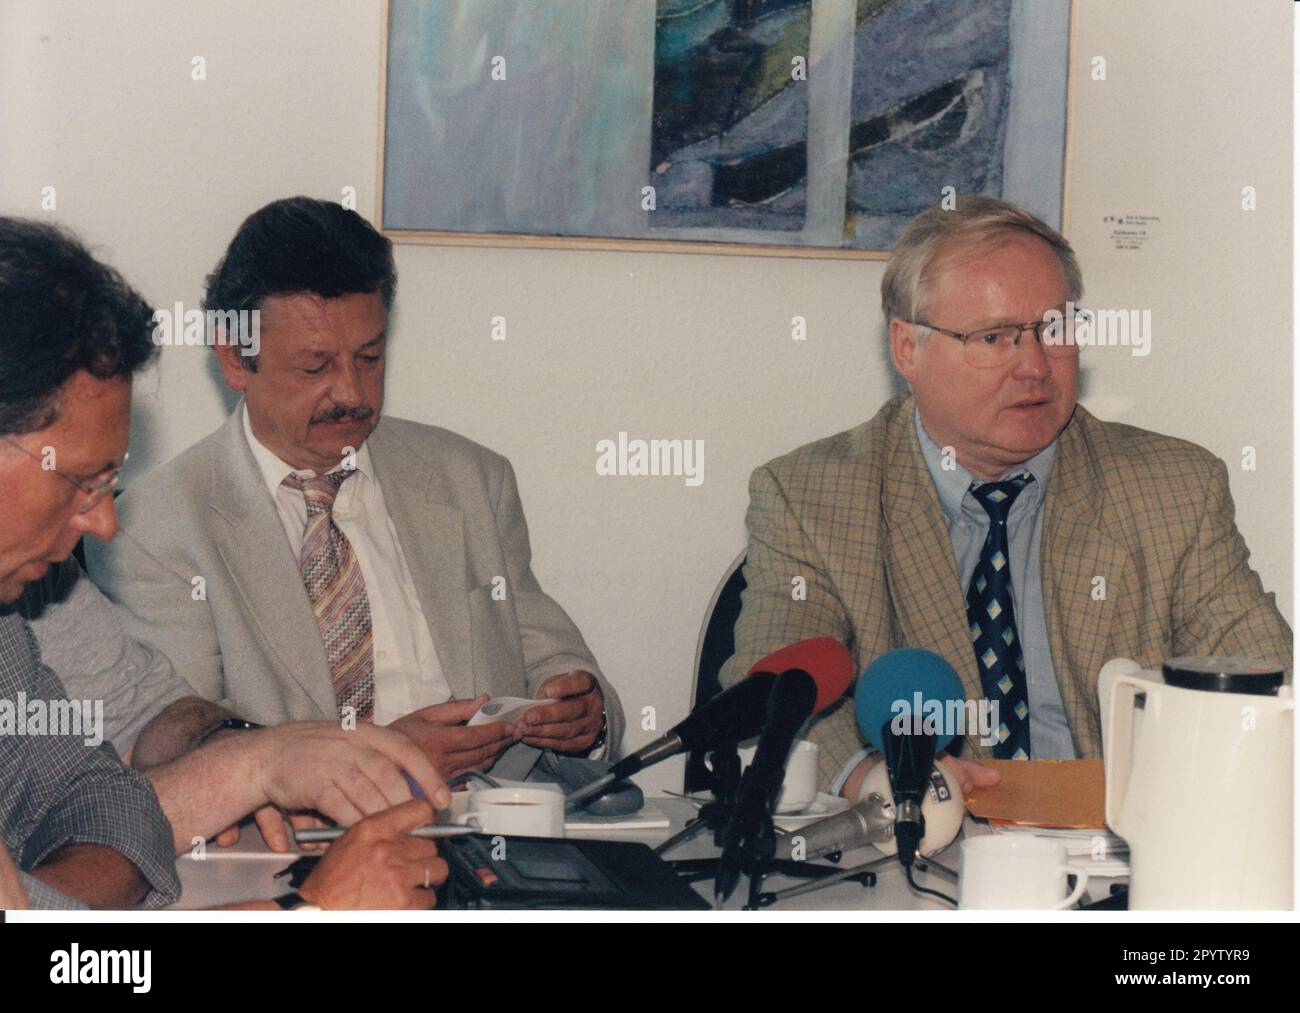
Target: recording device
908	703
544	873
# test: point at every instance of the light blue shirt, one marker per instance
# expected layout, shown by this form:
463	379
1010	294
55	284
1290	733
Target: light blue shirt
968	526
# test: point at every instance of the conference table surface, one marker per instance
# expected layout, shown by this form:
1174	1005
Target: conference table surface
247	872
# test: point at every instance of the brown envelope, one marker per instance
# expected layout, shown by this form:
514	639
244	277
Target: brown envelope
1044	793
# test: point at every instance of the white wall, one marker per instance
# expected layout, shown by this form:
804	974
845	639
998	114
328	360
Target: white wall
157	170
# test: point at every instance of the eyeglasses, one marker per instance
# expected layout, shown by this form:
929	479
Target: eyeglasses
996	346
94	490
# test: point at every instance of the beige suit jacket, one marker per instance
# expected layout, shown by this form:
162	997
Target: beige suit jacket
250	640
858	517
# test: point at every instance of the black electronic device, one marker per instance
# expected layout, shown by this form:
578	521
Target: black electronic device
543	873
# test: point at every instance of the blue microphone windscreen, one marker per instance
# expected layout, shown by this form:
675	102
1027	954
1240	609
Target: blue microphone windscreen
915	690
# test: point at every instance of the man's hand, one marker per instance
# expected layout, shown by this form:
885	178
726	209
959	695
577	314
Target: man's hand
451	745
573	722
378	866
12	895
344	775
967	773
270	822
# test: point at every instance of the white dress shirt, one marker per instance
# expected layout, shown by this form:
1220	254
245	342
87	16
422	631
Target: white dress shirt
407	673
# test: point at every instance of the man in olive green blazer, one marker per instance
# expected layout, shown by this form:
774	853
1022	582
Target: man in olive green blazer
1140	556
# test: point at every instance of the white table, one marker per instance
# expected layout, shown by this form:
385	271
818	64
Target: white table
246	872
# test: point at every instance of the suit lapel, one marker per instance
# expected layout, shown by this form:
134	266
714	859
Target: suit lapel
1076	550
431	534
929	602
251	542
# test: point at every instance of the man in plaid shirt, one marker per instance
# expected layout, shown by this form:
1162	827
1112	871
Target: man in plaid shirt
80	827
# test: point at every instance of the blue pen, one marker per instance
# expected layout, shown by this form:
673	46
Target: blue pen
416	790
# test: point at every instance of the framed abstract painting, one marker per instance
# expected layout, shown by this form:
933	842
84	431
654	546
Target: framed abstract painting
779	127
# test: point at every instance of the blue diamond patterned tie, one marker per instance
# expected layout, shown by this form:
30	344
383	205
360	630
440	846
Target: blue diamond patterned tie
993	622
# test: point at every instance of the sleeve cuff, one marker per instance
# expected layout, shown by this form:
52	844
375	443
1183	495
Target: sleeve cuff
122	813
838	784
43	897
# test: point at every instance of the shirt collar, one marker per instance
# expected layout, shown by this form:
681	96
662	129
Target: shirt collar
275	471
953	485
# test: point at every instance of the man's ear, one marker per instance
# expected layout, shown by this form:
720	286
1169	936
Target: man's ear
902	348
231	360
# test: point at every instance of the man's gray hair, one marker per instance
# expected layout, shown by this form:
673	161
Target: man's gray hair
975	224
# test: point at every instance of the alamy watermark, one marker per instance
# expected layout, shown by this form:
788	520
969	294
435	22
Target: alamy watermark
75	966
1094	328
84	718
181	326
683	458
955	718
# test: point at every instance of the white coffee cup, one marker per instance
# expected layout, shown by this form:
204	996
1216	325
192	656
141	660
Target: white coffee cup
519	812
799	787
1002	872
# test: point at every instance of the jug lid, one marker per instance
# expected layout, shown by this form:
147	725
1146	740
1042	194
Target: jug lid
1223	675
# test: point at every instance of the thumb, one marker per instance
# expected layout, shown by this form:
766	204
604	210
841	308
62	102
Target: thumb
982	776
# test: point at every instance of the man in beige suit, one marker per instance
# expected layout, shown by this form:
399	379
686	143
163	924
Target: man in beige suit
1118	541
312	559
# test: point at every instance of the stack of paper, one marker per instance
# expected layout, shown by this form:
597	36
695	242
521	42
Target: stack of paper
1064	800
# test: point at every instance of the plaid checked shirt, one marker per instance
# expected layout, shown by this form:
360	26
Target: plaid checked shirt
55	790
858	517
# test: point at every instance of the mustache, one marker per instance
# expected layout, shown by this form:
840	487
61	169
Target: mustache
337	414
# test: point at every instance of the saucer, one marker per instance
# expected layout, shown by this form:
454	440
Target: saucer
818	809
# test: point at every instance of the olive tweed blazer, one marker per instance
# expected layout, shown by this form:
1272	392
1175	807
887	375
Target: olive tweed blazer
858	517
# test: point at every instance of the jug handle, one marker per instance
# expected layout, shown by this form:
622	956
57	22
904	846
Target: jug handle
1118	691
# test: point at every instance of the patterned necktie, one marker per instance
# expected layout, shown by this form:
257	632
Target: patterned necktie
993	622
337	590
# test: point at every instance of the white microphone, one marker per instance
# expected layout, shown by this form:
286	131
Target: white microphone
942	808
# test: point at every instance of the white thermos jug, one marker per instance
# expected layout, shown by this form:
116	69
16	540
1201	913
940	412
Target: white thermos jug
1199	781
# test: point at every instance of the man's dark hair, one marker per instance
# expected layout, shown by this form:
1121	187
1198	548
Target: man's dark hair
300	244
61	312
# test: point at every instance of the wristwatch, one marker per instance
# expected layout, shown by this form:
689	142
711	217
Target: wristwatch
604	731
228	725
293	901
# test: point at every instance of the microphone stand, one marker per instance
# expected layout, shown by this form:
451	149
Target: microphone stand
724	763
724	766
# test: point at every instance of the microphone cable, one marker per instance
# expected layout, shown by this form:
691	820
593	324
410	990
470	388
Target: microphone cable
925	889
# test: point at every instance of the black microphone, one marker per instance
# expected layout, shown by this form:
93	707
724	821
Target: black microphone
909	759
907	700
734	714
737	713
748	837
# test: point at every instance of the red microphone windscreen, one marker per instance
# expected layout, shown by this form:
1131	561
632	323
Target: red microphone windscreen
824	658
